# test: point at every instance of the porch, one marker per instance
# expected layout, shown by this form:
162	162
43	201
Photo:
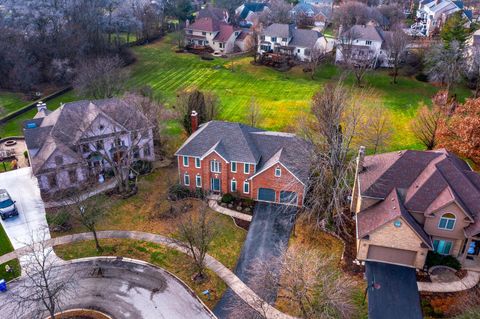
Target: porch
470	256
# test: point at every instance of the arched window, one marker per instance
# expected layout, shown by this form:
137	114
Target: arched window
447	221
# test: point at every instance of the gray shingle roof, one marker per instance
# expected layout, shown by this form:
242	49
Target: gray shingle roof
365	32
304	38
279	30
242	143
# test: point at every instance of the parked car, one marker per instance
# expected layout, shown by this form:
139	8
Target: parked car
7	205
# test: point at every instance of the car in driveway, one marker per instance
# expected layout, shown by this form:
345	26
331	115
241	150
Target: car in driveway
7	205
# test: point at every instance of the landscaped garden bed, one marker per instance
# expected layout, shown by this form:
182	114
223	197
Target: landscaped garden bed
234	202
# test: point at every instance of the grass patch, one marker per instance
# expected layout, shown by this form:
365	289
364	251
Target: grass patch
177	263
5	166
6	247
10	102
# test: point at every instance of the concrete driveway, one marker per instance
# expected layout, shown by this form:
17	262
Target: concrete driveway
123	290
269	232
396	293
23	188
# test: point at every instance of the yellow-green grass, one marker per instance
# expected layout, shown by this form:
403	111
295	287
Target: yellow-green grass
283	96
6	247
14	126
5	166
10	102
176	262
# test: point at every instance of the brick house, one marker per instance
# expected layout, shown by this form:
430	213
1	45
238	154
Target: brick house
224	157
68	147
410	202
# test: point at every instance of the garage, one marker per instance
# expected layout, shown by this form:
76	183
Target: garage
266	194
392	255
288	197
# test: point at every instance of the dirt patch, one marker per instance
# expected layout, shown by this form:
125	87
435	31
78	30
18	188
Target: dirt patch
447	305
242	223
350	253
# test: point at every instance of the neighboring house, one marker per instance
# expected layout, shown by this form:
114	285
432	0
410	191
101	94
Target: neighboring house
248	13
288	40
225	157
410	202
365	42
309	14
214	13
67	147
321	3
211	33
432	14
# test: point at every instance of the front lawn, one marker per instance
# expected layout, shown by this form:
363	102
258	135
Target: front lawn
10	102
6	247
143	212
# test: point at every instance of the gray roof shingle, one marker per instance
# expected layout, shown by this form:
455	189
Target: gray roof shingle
304	38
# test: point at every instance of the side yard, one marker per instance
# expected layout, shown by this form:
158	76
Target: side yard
6	247
145	212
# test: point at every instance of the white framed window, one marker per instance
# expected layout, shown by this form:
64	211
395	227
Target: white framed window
214	166
185	161
246	168
233	167
186	179
233	185
246	187
278	172
368	42
198	180
447	221
197	162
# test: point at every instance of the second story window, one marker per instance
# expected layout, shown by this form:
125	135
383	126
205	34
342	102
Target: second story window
185	161
447	221
246	168
284	39
368	42
214	166
274	39
233	167
197	162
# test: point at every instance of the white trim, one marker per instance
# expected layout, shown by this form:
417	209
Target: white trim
183	160
199	161
447	218
185	175
196	181
248	186
231	167
232	181
218	164
280	172
245	168
213	151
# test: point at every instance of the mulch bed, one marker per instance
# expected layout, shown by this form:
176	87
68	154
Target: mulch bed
462	273
350	253
242	223
423	276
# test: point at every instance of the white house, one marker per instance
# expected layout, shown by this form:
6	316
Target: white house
365	42
432	14
285	38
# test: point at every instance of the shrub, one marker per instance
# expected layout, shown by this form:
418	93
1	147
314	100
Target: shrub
25	154
142	167
435	259
421	77
177	192
59	221
228	198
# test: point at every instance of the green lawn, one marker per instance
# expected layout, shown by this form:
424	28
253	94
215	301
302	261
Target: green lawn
6	247
10	102
283	96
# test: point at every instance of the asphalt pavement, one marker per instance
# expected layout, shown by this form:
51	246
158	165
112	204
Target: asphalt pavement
267	237
392	292
119	288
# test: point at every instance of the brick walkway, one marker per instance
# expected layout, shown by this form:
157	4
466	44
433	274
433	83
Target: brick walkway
469	281
232	281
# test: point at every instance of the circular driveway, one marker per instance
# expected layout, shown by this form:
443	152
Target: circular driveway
123	290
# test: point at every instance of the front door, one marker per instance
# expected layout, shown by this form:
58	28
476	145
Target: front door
215	184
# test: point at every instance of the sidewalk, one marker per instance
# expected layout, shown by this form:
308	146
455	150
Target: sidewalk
230	279
232	213
470	281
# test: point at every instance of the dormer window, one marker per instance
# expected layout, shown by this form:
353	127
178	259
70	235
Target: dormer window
447	221
278	172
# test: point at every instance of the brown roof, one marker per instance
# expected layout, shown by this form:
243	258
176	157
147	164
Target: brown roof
386	211
212	12
429	180
205	24
225	33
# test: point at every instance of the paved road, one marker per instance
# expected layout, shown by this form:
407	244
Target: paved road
125	291
23	188
396	296
269	231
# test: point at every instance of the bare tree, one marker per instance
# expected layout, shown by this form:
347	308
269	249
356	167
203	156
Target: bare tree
88	210
357	60
307	283
44	287
337	119
277	12
195	233
211	105
472	69
254	112
425	126
317	55
445	64
397	42
100	77
377	130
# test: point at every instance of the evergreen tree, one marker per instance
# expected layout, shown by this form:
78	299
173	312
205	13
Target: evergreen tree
455	30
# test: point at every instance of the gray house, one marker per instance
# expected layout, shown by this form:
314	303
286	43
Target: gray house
75	143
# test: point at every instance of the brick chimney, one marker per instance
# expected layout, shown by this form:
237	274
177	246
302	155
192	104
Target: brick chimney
194	121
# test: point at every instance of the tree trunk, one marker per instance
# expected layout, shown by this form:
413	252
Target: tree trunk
97	243
395	74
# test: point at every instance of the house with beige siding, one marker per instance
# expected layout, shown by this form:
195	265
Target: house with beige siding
408	203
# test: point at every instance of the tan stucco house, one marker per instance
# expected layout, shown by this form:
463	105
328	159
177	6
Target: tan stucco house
409	202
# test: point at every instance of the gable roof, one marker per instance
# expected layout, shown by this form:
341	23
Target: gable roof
206	24
386	211
304	38
279	30
225	33
312	10
428	179
365	32
251	7
63	128
242	143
